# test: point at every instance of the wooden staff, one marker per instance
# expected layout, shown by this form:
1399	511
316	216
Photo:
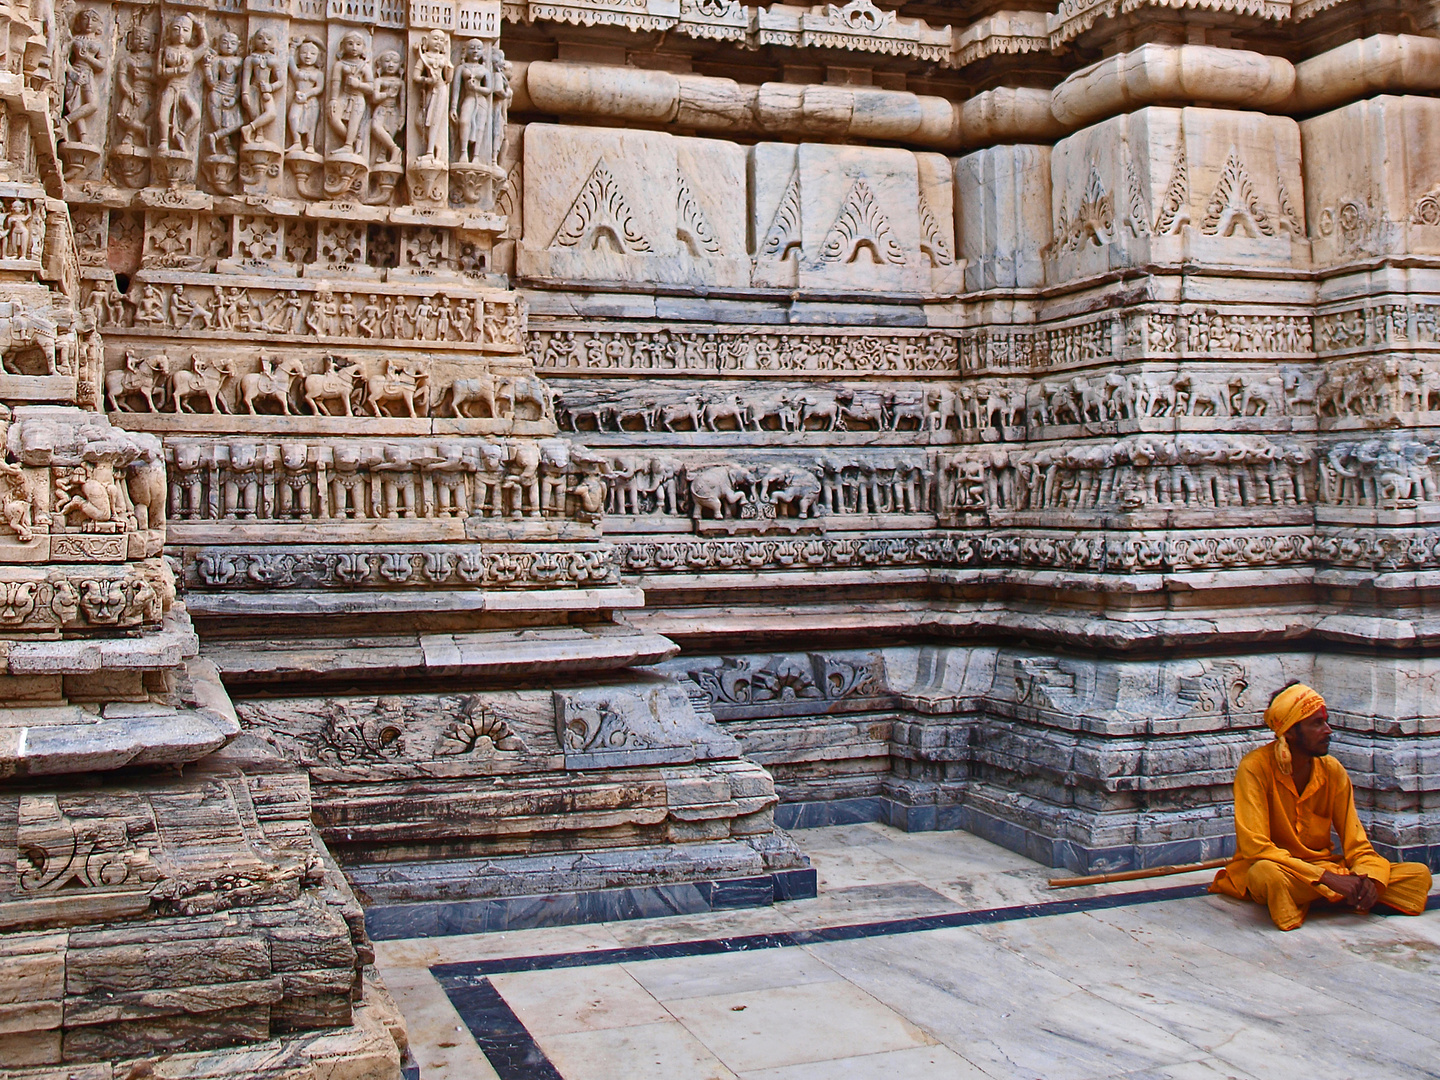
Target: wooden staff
1136	875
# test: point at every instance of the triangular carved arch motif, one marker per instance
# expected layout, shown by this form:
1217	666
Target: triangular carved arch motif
692	228
932	238
600	211
1137	214
1234	205
1175	209
861	225
1289	219
783	236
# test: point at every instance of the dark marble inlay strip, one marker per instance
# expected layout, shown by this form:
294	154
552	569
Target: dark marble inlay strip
472	972
502	1038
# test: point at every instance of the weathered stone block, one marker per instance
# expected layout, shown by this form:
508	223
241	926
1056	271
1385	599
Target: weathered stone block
604	205
1165	186
1370	178
1002	198
842	219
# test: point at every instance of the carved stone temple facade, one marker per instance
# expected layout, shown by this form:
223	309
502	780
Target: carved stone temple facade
468	464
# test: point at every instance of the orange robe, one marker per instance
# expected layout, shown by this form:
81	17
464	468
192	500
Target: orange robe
1282	842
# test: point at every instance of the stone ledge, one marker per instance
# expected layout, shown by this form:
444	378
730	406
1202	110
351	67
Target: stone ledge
388	923
282	602
492	654
166	648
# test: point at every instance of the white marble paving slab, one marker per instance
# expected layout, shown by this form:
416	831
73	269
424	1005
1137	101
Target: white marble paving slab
439	1039
916	1063
793	1024
578	999
729	973
662	1051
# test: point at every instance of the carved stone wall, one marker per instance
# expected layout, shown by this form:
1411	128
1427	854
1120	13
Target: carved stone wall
994	406
153	921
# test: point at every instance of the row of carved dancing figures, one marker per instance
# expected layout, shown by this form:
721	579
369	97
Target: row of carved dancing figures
1136	473
393	386
677	350
303	313
189	89
873	484
296	481
794	409
1159	334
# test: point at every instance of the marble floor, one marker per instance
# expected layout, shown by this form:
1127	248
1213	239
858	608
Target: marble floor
1163	982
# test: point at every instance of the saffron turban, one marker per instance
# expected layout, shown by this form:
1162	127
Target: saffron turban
1291	705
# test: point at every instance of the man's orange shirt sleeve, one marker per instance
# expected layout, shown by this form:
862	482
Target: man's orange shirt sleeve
1360	857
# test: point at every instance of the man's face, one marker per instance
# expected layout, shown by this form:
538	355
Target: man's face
1313	733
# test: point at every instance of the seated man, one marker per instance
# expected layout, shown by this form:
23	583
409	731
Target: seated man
1289	794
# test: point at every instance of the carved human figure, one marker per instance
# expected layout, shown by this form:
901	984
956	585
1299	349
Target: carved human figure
370	318
442	319
463	320
470	99
346	313
350	89
431	75
15	230
186	313
307	86
136	81
15	501
500	102
264	83
387	115
293	321
150	310
82	75
185	41
221	72
85	491
90	363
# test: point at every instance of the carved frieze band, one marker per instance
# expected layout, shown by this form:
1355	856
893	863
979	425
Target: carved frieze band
393	566
1205	332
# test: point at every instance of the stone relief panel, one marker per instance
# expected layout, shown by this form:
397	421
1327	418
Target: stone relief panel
1157	183
633	206
847	219
410	736
1373	191
383	106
